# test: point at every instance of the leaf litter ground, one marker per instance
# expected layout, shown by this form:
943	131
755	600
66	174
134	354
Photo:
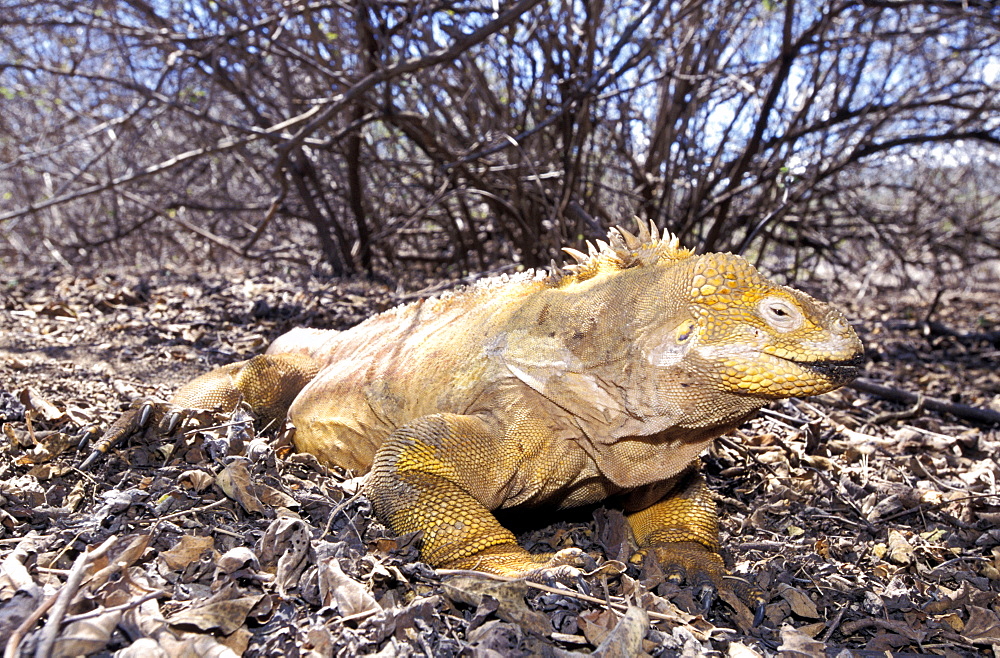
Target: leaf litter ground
872	526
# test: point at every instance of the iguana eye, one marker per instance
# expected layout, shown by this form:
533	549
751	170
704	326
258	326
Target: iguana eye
780	314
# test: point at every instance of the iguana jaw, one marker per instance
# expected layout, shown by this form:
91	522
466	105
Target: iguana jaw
838	372
765	375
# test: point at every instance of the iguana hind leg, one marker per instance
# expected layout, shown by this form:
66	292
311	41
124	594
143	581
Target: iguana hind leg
442	474
268	383
682	531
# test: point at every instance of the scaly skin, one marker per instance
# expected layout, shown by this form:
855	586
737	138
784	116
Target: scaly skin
604	381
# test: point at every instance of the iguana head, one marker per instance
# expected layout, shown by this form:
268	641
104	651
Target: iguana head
651	351
756	338
717	320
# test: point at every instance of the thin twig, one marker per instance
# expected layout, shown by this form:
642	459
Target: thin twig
967	412
18	540
659	616
155	594
13	644
221	146
66	593
185	512
926	507
341	506
834	625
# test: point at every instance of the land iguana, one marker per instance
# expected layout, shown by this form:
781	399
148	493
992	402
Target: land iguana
603	380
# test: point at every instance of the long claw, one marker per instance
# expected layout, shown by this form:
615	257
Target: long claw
89	461
577	558
706	597
171	422
85	436
145	411
704	572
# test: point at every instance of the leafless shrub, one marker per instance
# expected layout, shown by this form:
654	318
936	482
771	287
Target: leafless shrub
383	136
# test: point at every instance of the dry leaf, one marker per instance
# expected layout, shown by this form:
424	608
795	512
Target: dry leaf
144	620
54	309
740	650
953	621
86	636
900	550
285	545
983	626
235	482
966	595
224	616
799	601
195	479
49	445
236	642
472	589
625	639
15	363
118	558
15	609
195	645
320	640
795	644
351	597
144	647
188	550
812	630
597	624
741	613
238	558
33	400
274	498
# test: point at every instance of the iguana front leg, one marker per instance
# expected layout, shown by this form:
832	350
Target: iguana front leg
682	531
268	383
442	474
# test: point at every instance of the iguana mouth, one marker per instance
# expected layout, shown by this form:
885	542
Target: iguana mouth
838	371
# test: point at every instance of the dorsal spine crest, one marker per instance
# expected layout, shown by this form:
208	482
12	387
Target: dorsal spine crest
623	250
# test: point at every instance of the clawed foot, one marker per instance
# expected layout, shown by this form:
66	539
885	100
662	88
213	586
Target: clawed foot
694	565
569	566
143	413
572	566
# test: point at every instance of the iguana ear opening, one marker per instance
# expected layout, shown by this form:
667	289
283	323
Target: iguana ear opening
684	331
667	346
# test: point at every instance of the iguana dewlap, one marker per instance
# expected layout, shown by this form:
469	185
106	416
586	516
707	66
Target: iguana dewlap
563	390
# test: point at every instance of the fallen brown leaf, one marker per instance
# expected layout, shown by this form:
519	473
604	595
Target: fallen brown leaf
235	482
189	549
350	597
983	626
225	616
799	601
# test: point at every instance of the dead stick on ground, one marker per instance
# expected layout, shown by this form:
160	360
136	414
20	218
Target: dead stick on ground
185	512
134	603
975	414
76	575
621	607
14	643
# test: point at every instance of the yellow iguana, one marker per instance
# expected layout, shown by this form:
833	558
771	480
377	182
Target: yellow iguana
603	381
